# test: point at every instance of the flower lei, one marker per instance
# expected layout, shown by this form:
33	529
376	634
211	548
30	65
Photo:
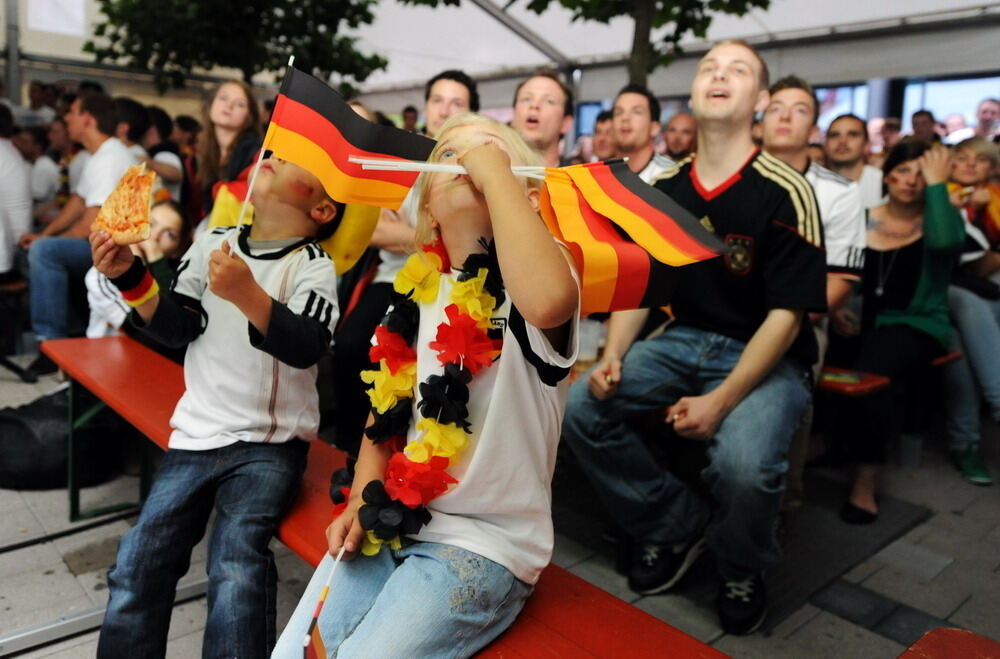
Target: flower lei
465	345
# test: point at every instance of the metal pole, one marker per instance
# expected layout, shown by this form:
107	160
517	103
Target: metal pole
13	74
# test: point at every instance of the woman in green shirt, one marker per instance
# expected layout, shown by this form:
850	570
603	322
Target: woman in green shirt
913	242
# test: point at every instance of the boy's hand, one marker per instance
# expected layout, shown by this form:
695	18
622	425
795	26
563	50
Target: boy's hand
484	162
111	260
229	277
346	531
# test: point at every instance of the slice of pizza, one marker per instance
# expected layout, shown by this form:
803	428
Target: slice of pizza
125	213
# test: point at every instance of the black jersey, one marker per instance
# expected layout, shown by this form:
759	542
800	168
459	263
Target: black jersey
767	216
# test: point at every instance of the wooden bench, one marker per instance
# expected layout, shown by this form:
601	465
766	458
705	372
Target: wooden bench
951	643
566	616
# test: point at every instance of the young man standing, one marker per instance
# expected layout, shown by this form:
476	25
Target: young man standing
845	147
543	113
60	254
449	92
731	371
635	125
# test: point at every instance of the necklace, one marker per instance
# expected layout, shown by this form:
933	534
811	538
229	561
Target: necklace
883	278
465	344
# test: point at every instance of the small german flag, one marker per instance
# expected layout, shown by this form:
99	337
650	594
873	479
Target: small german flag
314	127
626	236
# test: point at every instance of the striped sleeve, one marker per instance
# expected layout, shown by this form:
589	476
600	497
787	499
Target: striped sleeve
805	220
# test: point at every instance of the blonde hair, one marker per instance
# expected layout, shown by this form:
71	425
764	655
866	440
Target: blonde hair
520	154
764	78
981	147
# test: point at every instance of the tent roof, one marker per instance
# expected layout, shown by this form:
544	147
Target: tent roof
482	39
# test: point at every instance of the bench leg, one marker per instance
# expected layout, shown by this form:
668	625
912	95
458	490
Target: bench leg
77	623
72	459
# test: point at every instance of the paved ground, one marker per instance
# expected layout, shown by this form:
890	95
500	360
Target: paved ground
945	571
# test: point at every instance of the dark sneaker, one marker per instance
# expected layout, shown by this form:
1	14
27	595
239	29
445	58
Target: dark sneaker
657	568
42	365
742	605
970	462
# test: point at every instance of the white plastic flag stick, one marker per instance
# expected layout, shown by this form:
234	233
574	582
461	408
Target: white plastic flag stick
246	197
410	166
322	597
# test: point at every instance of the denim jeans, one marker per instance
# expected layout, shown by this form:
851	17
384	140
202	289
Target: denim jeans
978	374
426	600
251	487
53	264
747	456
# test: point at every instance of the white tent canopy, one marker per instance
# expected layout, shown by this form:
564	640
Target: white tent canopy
827	42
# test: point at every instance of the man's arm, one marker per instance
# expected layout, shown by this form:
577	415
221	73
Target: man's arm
699	417
623	328
71	213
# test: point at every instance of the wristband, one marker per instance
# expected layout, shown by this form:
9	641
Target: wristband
136	284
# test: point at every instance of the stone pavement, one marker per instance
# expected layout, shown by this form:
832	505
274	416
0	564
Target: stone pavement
944	572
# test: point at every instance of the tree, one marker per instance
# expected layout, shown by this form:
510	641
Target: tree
169	38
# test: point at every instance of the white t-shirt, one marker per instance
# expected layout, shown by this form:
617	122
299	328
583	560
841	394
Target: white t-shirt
44	180
103	170
172	159
234	391
75	169
15	201
108	309
659	164
390	262
871	186
501	507
840	209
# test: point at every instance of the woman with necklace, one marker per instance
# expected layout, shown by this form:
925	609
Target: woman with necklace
913	243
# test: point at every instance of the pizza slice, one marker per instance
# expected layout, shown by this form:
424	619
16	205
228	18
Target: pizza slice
125	213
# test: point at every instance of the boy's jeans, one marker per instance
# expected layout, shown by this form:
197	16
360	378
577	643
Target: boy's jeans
251	486
54	264
426	600
747	456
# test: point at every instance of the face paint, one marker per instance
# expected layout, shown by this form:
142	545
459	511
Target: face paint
301	188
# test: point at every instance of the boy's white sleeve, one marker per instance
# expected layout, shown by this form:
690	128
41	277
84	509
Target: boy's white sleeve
315	292
191	278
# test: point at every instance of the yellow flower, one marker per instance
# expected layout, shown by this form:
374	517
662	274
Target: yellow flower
473	300
371	544
438	439
387	388
420	276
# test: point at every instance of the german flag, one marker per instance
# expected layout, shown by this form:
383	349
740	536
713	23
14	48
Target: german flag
626	236
314	127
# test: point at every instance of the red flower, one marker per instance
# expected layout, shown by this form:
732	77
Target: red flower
437	247
339	508
461	341
392	348
416	483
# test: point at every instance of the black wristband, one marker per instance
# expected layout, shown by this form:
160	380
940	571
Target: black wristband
131	277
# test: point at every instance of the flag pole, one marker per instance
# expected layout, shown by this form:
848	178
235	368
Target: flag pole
322	598
253	176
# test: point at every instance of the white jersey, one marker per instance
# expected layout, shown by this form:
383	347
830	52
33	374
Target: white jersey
501	507
656	166
843	217
237	391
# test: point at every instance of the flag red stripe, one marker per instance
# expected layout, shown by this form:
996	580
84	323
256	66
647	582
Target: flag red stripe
633	261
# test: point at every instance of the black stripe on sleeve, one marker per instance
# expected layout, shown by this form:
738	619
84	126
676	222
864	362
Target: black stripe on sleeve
547	373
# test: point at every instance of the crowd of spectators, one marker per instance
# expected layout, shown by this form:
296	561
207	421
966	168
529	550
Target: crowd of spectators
891	253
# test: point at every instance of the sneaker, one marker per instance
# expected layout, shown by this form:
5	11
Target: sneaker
742	605
42	365
657	568
969	461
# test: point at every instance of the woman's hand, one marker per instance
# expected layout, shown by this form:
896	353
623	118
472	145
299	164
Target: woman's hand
346	531
935	164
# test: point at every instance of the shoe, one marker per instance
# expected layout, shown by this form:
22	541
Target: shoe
742	605
657	568
854	515
970	462
42	365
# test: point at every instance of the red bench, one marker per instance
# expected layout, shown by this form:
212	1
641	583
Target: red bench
566	616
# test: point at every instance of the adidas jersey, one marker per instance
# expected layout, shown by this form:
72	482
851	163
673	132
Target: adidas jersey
766	214
237	391
843	216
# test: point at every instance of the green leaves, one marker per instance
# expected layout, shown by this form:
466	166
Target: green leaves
170	38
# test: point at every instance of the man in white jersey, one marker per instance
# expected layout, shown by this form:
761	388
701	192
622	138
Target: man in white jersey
635	125
845	146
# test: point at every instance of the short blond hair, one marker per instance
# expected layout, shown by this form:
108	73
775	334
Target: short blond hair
981	147
520	154
764	79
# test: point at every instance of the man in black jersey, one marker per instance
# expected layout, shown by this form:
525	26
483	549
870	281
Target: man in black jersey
731	370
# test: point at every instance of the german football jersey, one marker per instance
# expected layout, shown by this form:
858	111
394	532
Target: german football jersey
767	216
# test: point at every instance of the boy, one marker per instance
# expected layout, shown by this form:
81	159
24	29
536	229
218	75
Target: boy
257	307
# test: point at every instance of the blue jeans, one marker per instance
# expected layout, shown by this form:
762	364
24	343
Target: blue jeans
747	456
53	264
978	374
251	487
426	600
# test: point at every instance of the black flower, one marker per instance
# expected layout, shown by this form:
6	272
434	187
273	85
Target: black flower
394	423
387	518
445	398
